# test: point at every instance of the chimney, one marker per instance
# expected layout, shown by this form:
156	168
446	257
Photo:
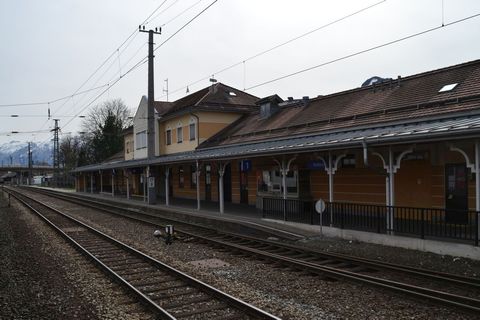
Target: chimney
305	100
213	87
399	78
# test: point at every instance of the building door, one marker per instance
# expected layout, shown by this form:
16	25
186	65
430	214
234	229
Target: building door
243	187
456	195
208	182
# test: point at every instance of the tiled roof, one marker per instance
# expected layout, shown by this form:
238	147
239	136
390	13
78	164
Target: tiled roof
162	107
411	132
218	97
392	100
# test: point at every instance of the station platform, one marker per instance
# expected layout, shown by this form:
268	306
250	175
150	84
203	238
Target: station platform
236	217
244	219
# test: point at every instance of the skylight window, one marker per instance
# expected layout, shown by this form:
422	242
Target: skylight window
448	87
233	94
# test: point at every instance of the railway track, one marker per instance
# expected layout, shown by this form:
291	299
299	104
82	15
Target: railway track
168	293
333	266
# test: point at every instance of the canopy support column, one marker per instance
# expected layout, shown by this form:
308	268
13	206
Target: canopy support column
221	172
197	176
167	186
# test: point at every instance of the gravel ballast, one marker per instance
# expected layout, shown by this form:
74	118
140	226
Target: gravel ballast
42	277
278	290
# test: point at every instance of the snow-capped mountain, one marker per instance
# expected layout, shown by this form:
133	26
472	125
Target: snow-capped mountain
16	152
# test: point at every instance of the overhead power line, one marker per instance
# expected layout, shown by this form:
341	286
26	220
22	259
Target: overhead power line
365	50
78	92
141	62
186	24
52	101
261	53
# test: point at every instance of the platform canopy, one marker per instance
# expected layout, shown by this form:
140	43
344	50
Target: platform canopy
413	131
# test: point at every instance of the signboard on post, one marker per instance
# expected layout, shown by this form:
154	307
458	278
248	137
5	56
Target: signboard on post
320	206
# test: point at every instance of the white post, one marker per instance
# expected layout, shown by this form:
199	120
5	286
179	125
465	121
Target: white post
91	182
387	190
221	172
113	183
477	172
330	185
283	170
330	178
477	183
101	181
197	175
167	187
391	189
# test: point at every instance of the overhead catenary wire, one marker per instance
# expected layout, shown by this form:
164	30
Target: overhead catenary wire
142	61
365	51
53	101
185	25
135	33
261	53
78	92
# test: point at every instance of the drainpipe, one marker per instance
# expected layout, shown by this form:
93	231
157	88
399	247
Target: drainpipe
365	154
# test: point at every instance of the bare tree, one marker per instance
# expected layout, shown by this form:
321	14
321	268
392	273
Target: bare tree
103	127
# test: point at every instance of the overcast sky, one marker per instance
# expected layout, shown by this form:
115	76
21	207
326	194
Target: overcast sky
50	48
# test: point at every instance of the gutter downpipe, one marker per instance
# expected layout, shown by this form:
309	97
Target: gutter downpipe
365	154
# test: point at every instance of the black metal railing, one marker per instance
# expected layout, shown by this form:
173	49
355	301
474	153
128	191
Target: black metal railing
422	222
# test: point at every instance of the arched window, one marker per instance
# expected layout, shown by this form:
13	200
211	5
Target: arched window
168	136
179	132
193	129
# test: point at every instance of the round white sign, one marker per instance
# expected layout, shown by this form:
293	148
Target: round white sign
320	206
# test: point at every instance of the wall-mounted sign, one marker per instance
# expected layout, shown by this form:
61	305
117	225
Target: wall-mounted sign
151	182
316	165
246	165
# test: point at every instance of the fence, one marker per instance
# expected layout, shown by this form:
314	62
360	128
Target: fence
422	222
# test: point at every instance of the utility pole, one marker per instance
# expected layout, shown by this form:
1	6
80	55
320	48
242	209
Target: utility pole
56	161
151	113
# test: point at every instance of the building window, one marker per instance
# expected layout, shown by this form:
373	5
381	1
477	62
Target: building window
168	137
141	140
193	129
193	181
270	181
348	161
179	134
127	147
181	178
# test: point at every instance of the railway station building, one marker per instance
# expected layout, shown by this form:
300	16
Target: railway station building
384	156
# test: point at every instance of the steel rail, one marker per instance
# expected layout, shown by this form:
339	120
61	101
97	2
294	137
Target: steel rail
228	299
441	297
431	274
